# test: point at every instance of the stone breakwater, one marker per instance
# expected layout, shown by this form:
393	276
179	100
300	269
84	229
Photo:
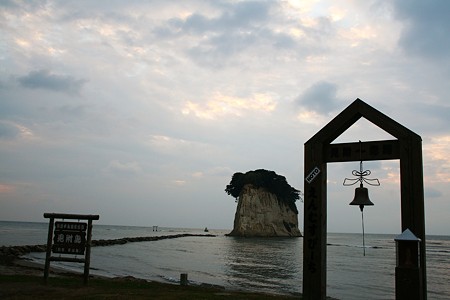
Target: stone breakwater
16	251
121	241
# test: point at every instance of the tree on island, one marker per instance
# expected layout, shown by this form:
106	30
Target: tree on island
271	181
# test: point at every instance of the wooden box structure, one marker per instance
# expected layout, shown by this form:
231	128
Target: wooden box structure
407	271
72	238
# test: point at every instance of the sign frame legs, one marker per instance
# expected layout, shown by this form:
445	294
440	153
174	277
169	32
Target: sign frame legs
87	247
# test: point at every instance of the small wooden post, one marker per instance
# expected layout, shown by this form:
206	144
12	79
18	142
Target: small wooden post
49	248
87	262
184	279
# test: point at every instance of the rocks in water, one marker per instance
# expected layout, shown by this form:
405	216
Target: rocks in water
16	251
122	241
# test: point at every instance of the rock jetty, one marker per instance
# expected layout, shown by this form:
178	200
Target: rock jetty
16	251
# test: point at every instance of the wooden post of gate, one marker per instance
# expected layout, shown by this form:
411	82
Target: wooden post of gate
69	238
319	151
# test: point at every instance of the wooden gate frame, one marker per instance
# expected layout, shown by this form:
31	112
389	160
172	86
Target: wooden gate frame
87	256
319	151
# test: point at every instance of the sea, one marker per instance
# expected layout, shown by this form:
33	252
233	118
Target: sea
269	265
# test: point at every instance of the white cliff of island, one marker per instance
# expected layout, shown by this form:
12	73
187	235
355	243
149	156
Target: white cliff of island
260	212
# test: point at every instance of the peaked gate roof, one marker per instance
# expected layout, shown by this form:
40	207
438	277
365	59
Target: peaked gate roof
353	113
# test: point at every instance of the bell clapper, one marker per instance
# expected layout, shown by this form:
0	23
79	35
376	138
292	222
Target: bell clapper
361	193
361	207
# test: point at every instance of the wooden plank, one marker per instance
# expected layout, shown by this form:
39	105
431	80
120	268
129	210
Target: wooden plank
68	259
49	248
365	151
71	216
88	252
412	200
315	224
350	115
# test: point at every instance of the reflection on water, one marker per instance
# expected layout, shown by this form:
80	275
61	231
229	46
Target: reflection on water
265	263
258	264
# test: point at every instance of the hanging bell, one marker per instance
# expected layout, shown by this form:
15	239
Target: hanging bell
361	197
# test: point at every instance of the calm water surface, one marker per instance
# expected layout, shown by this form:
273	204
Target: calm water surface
256	264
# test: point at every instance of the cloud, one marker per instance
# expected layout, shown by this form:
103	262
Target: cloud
179	182
432	193
6	188
214	172
435	117
220	106
190	92
237	28
126	168
11	4
234	16
182	149
8	131
320	98
437	160
73	110
44	79
426	27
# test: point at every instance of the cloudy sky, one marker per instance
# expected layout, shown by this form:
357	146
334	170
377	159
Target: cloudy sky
141	111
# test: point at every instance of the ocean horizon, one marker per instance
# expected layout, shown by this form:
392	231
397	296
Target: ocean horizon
272	265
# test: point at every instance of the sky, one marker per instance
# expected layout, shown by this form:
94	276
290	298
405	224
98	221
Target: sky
141	111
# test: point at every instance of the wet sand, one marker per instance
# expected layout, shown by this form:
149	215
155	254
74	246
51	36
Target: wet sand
23	279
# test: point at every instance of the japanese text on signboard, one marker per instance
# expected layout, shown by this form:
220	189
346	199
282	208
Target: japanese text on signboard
69	237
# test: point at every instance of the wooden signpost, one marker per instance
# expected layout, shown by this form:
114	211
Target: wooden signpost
72	238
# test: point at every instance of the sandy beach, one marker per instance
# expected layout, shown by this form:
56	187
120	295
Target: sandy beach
23	279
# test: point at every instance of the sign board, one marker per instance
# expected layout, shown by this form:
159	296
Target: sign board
312	175
69	238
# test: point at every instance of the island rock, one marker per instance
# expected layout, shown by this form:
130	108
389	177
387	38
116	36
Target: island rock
260	213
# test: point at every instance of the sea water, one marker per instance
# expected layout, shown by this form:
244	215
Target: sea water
271	265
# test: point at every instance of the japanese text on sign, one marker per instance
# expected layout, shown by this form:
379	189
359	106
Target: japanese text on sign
75	226
312	241
69	238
